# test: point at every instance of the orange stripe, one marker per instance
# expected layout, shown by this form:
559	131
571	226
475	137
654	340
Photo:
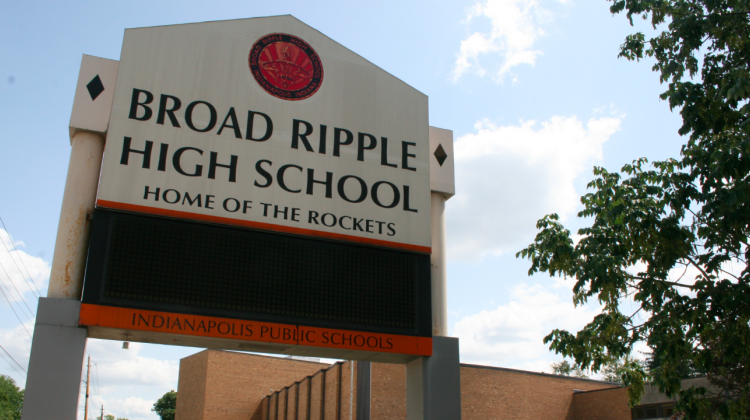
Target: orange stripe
265	332
258	225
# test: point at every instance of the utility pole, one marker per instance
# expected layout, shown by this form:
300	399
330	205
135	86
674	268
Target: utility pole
102	411
86	409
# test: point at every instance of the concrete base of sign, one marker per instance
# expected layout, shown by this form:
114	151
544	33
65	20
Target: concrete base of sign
433	384
57	351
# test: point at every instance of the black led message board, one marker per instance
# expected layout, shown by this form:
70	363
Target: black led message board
145	262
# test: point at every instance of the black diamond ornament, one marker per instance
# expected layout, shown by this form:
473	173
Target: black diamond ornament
440	154
95	87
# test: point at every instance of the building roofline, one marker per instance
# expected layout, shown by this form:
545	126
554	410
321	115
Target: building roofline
549	375
619	386
282	357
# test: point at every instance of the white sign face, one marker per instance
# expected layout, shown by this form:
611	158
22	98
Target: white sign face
268	124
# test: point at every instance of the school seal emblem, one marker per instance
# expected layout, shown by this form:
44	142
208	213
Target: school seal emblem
286	66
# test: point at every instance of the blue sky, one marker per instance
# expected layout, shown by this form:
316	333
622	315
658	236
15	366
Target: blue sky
532	89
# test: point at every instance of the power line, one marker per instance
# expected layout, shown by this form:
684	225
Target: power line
19	293
31	280
14	311
11	358
96	374
16	264
21	297
17	267
5	287
12	365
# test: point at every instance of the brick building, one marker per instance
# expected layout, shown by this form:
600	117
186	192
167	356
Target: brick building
220	385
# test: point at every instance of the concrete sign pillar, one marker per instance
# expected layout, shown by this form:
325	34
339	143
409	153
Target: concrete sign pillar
433	384
442	187
89	120
56	361
59	344
439	272
69	260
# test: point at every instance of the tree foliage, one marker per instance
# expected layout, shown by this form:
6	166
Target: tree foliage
672	236
11	399
565	368
614	370
165	406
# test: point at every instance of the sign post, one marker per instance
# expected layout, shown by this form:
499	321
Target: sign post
59	344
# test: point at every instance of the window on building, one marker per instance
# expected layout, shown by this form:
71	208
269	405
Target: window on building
653	411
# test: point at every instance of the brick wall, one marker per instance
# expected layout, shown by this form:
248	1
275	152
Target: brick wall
388	392
233	384
330	394
191	387
239	386
605	404
488	393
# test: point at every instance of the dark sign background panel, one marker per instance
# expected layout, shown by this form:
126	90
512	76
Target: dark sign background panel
160	264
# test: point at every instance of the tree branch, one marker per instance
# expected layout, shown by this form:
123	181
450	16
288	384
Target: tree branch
730	274
635	313
693	287
695	264
713	227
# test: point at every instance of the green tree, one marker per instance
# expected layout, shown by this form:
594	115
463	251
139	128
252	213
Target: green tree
165	406
672	236
614	369
565	368
11	399
110	417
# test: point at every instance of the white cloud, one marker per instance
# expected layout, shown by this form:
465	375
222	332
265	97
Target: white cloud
508	177
516	25
471	48
512	335
131	408
17	342
127	383
20	269
118	367
16	268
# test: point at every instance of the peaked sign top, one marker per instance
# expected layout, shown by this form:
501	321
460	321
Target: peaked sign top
266	123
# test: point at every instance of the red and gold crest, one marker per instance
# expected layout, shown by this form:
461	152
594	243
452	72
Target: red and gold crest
286	67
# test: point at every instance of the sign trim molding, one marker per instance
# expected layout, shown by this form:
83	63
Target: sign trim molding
258	225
